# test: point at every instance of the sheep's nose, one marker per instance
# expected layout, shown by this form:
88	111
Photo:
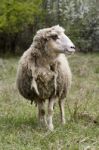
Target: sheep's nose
73	47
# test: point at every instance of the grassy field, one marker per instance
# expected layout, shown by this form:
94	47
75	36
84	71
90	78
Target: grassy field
19	129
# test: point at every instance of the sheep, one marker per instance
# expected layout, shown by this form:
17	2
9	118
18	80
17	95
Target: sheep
44	73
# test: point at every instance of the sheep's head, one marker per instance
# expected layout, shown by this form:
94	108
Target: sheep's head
53	41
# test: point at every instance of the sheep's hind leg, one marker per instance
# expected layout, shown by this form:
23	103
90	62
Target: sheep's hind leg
50	114
41	114
61	105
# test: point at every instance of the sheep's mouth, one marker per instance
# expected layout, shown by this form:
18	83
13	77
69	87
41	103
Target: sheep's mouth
68	52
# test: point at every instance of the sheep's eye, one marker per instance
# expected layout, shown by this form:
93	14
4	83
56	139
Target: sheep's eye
54	37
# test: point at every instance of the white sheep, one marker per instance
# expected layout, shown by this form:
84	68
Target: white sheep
43	72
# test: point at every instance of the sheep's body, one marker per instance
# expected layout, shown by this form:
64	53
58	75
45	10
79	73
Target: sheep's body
51	79
35	82
41	77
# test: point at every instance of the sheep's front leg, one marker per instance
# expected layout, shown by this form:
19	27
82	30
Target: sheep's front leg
61	105
41	114
50	114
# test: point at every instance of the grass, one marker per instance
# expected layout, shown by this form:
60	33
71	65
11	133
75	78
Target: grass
19	128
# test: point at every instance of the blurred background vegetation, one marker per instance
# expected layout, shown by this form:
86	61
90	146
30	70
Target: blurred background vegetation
20	19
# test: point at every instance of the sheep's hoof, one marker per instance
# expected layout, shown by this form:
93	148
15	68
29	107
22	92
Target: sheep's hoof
43	123
63	122
51	127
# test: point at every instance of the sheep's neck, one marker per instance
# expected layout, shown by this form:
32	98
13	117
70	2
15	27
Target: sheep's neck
47	59
43	60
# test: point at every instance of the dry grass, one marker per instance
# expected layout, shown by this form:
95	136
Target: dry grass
19	129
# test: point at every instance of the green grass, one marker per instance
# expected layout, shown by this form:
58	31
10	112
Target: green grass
19	128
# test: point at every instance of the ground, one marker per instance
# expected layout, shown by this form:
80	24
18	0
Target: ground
19	128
